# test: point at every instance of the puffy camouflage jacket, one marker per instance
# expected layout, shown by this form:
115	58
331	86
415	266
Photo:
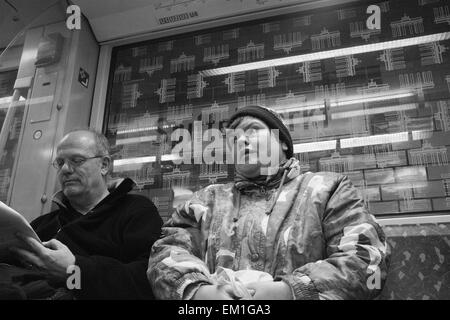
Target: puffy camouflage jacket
319	238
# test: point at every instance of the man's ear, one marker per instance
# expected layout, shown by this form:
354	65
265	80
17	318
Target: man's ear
106	165
284	146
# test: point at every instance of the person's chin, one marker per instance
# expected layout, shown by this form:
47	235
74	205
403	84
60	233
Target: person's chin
249	170
71	191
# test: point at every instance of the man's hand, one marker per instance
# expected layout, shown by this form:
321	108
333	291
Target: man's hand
214	292
51	257
270	290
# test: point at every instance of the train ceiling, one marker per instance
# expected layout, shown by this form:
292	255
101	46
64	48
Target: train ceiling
15	15
119	19
116	19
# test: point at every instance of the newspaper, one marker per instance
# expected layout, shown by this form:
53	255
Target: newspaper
12	222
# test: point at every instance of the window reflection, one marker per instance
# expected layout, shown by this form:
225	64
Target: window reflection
371	104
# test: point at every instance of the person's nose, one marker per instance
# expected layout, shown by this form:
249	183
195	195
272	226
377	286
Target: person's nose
66	168
243	140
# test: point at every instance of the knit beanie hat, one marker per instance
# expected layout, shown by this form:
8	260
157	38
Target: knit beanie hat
271	119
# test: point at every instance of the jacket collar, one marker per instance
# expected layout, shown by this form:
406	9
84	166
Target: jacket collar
264	183
289	170
117	188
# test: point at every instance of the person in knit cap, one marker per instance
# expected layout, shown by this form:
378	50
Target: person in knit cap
273	233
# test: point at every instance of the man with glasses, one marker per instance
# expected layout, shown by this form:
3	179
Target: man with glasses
106	233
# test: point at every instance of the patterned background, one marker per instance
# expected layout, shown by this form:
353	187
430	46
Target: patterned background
419	268
158	86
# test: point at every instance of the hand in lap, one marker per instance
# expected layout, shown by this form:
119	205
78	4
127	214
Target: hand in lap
214	292
270	290
51	257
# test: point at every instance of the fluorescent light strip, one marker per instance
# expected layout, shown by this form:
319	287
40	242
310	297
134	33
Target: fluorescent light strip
374	140
436	219
314	146
360	113
143	129
137	160
360	99
5	100
136	140
169	157
140	160
366	99
319	117
136	130
421	134
295	108
327	54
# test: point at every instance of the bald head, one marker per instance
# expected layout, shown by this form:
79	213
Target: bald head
95	141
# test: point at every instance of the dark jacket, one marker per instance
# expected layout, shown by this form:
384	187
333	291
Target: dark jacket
111	243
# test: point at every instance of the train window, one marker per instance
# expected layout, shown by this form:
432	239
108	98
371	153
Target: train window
373	104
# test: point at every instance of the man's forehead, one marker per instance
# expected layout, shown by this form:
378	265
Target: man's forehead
77	141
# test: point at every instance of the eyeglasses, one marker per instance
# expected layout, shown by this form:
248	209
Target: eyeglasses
73	162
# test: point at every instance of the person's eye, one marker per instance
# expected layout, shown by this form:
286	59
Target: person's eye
78	160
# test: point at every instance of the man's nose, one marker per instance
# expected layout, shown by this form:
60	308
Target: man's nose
66	167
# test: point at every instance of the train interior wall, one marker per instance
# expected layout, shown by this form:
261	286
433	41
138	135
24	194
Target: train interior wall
371	104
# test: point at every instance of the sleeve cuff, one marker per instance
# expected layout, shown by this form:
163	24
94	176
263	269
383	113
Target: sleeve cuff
86	269
302	286
188	285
